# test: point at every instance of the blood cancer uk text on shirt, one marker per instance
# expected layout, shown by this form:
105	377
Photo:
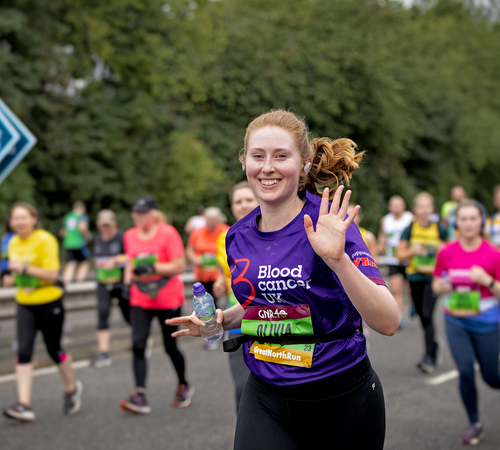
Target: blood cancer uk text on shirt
280	268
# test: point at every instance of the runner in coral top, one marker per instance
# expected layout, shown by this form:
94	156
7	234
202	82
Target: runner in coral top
155	261
303	277
468	272
202	248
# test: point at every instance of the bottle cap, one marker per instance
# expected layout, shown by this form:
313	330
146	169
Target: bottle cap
198	289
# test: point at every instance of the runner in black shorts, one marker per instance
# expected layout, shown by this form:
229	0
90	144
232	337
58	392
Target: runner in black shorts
399	269
34	269
110	259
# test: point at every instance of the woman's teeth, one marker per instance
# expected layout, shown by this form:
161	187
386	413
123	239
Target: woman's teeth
269	182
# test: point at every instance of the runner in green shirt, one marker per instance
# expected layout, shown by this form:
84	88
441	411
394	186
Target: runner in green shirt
75	235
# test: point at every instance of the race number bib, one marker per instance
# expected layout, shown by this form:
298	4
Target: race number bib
464	304
145	258
275	321
26	281
209	261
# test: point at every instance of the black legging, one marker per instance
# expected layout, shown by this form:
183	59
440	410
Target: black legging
344	412
105	296
49	319
141	324
425	300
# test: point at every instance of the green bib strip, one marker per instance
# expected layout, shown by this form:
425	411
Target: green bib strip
26	281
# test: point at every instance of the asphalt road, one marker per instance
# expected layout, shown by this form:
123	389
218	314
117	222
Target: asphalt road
420	415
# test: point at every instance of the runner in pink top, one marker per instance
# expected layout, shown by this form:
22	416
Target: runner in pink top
155	261
467	273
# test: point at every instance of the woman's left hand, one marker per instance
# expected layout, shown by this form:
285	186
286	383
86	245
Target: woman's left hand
328	241
479	276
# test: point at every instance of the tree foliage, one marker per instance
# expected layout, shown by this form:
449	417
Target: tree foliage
129	97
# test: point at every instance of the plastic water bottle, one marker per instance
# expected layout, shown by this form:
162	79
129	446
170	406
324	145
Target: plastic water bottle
204	307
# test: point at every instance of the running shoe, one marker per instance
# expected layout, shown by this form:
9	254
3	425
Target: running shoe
73	400
101	360
183	396
413	311
401	324
427	365
473	434
20	412
136	403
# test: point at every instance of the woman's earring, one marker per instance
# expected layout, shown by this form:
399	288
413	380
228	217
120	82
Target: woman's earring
307	167
243	167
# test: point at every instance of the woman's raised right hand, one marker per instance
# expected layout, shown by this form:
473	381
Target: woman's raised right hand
192	323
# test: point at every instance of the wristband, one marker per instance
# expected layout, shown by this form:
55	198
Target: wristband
25	268
492	284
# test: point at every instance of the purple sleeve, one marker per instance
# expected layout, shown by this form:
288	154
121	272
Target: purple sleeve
361	257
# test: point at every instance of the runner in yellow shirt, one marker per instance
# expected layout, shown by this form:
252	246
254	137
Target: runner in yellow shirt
34	269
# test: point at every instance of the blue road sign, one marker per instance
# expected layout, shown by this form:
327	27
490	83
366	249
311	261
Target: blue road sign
10	158
8	136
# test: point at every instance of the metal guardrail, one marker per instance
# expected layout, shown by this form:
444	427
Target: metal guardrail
78	296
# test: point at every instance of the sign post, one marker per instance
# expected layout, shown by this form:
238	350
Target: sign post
15	141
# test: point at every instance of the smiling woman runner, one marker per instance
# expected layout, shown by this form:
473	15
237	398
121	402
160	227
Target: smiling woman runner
303	278
34	269
468	271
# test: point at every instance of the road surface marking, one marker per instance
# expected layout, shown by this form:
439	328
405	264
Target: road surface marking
447	376
46	370
443	378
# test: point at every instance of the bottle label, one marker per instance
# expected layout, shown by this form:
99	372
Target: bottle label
206	314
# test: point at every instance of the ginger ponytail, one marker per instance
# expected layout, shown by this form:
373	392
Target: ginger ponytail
334	162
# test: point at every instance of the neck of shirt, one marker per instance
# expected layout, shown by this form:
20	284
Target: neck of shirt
275	217
471	245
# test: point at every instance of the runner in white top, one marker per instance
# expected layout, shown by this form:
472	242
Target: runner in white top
493	222
391	227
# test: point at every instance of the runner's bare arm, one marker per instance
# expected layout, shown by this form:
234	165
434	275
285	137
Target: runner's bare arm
480	276
193	257
174	267
230	319
38	272
404	251
440	286
375	303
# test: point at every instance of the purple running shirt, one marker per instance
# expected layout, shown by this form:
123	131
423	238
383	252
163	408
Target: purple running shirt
286	288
